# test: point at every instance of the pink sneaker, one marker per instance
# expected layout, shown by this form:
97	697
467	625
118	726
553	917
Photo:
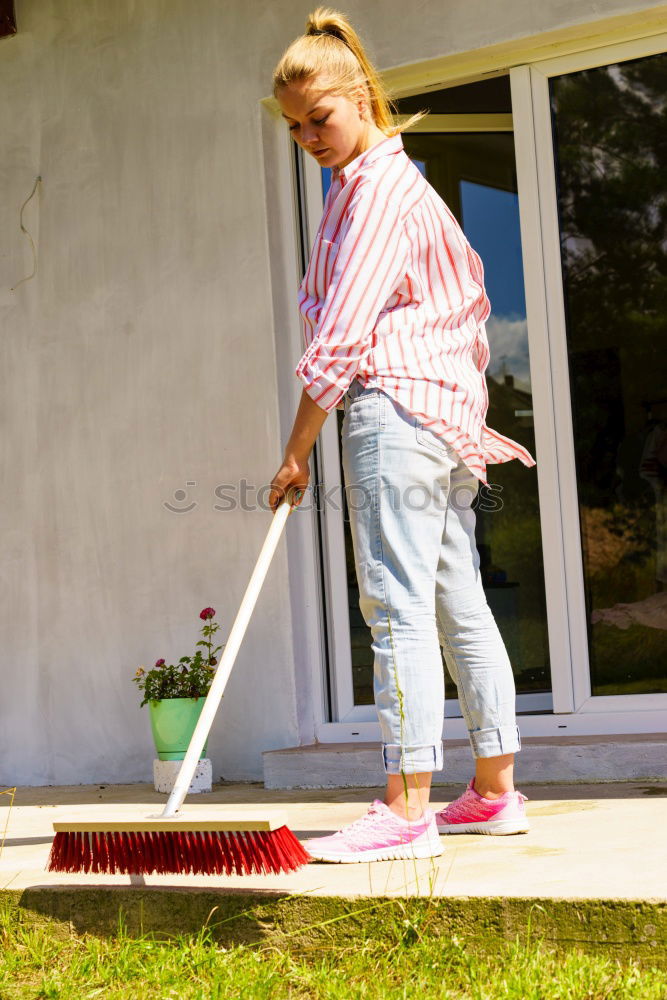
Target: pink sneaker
380	835
472	813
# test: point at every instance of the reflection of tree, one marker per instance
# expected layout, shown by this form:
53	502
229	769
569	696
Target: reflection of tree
611	138
505	399
610	130
616	536
611	127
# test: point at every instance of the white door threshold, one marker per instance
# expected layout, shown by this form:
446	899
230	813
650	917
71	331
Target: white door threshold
541	759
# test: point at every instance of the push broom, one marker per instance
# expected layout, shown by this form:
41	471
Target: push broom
179	844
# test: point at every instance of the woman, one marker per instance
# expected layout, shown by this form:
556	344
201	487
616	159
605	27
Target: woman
393	308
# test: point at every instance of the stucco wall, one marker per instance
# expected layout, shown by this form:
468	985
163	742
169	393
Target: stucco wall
141	358
138	359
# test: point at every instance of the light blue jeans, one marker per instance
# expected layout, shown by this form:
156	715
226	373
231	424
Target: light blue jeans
410	498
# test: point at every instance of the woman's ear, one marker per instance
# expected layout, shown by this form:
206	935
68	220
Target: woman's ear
361	100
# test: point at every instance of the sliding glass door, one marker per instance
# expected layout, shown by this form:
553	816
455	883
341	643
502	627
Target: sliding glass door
469	159
610	155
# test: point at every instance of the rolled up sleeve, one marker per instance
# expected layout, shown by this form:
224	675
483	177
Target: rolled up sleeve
370	261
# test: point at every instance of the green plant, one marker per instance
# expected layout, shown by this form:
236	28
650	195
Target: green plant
191	677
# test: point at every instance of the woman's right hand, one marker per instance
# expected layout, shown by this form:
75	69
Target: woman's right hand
292	476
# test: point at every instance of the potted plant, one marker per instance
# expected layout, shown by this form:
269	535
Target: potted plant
175	693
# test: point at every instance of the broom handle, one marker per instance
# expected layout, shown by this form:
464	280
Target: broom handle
214	696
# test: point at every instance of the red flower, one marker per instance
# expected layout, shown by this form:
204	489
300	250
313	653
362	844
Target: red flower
207	613
159	663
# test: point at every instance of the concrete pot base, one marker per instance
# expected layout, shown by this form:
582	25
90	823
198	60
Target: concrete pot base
165	773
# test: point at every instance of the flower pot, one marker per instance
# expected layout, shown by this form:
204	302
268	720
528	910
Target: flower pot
173	722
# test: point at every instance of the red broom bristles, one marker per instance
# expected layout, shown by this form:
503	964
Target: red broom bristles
178	852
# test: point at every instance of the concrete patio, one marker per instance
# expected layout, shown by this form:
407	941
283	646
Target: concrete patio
592	870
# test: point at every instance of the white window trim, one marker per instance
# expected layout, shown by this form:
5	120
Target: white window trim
606	722
534	269
460	123
540	701
301	532
334	570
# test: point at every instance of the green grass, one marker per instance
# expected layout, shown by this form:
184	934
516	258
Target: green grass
410	961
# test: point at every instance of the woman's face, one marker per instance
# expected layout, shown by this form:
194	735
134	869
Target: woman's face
329	127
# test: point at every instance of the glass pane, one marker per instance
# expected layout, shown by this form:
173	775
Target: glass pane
611	168
492	96
475	175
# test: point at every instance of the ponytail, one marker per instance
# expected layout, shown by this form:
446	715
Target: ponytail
331	47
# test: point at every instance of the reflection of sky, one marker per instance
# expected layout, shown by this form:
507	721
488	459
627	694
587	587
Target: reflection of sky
508	345
491	224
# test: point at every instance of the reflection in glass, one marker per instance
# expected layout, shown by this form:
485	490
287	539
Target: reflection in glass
475	175
611	168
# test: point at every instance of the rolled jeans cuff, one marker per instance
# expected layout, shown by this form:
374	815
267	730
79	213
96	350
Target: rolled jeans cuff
495	742
412	760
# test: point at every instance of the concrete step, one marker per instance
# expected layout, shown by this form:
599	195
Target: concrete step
541	759
621	929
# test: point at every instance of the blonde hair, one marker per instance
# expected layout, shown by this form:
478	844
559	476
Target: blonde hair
331	47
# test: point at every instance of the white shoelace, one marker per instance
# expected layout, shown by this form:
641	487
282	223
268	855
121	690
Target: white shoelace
363	830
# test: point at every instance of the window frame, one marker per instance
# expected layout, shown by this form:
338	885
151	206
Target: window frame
539	184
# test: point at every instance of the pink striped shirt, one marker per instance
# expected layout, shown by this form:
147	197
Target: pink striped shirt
394	294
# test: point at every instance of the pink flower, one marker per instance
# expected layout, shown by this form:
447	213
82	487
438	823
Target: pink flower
207	613
159	663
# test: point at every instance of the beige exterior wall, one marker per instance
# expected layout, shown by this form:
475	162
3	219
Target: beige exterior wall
141	358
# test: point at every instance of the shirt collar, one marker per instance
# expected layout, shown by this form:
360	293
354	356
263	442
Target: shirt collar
392	144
